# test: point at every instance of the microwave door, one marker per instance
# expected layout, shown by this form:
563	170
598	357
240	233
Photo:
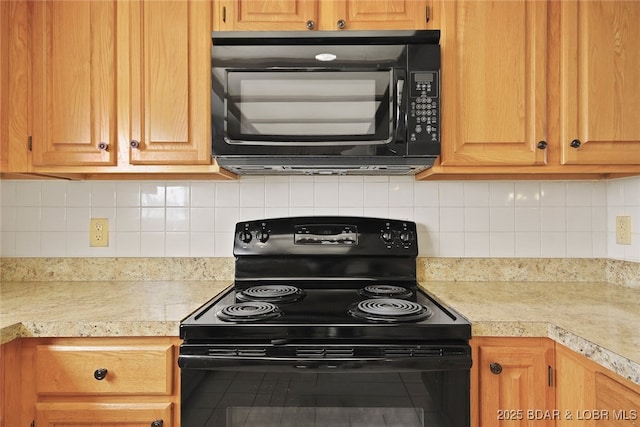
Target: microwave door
309	108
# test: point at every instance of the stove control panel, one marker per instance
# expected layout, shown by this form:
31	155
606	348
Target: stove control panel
326	235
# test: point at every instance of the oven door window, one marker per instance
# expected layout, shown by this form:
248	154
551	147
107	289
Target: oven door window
309	107
228	398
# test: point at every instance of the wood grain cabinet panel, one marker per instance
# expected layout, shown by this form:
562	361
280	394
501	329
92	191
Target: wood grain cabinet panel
301	15
589	395
600	82
96	382
493	82
510	376
87	414
168	55
104	370
74	82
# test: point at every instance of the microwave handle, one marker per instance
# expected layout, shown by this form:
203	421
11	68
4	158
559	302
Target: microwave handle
399	127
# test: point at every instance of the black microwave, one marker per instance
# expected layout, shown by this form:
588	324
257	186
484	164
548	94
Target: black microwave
326	102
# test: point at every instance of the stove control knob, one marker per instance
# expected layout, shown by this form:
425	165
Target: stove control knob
245	236
262	235
406	237
387	236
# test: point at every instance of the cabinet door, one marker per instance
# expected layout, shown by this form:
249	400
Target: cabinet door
376	14
87	414
74	82
593	396
494	63
513	378
600	80
170	67
259	15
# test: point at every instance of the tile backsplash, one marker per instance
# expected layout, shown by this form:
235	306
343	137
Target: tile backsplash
484	219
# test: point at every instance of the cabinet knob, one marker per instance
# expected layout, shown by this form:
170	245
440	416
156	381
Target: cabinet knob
341	24
135	144
575	143
311	24
100	373
495	368
542	145
157	423
103	146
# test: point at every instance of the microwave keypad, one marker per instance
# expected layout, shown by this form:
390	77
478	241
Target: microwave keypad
423	110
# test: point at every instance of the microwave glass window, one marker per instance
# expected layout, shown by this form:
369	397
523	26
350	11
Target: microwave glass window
300	107
317	106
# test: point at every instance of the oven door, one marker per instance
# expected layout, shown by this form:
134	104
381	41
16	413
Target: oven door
326	386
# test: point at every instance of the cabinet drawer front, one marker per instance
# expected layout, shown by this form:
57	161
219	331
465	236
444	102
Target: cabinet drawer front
140	369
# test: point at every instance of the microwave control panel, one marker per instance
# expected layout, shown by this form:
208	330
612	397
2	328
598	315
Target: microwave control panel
423	121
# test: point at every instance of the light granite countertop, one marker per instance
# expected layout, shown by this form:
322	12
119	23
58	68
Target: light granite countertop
599	320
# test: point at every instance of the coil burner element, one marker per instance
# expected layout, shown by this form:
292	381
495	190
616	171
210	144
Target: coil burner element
389	310
250	311
385	291
271	293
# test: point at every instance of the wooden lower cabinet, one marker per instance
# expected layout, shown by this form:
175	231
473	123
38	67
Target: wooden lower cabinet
99	382
88	414
588	395
510	383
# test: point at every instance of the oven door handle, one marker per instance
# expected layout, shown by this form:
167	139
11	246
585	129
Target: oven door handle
447	363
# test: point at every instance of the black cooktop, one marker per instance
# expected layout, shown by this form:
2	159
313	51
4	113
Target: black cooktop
324	312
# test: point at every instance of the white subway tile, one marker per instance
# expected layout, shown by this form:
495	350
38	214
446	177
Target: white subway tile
553	193
127	194
152	194
476	244
177	244
203	194
553	244
203	220
28	193
476	194
502	244
53	219
79	194
27	243
178	195
127	243
451	194
502	194
451	244
103	194
301	194
152	219
152	244
528	244
54	193
177	219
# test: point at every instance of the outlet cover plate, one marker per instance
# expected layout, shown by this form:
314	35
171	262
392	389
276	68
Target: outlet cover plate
99	232
623	230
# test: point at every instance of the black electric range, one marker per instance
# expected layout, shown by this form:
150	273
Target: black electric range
318	296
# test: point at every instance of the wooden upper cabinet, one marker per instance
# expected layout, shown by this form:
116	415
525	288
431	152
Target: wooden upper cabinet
600	82
284	15
494	64
169	57
74	83
258	15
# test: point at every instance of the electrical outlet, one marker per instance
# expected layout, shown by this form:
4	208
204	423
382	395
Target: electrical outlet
623	230
99	232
